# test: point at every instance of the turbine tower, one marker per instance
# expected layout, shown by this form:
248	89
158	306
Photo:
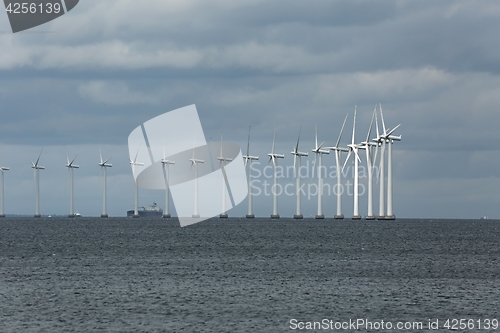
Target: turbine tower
135	164
338	157
104	165
223	161
195	162
248	160
367	146
2	212
166	173
387	137
318	157
71	167
36	171
296	166
353	148
273	157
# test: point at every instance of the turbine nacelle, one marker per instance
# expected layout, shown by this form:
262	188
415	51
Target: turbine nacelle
4	168
299	153
164	161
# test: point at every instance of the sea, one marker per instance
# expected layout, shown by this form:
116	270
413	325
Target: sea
243	275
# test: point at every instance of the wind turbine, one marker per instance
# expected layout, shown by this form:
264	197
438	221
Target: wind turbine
353	148
296	166
104	165
135	164
36	169
339	190
318	157
367	146
223	160
2	212
386	137
166	172
195	162
248	160
71	167
273	157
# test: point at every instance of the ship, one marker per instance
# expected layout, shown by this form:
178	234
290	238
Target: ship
149	211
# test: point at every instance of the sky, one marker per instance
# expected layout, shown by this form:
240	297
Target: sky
88	78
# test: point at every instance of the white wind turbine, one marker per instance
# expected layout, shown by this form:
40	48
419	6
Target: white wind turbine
273	157
104	165
223	161
354	148
135	164
318	158
296	166
166	173
386	137
367	146
36	169
195	162
71	167
248	161
2	212
339	189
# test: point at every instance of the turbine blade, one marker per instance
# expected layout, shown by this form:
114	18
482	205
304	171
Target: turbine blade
137	154
341	130
370	128
392	131
100	154
73	160
382	117
298	139
357	155
354	125
294	164
38	159
347	159
376	123
274	139
316	130
248	142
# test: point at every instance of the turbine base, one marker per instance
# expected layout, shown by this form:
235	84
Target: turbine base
223	216
136	216
320	216
339	217
380	217
2	216
390	217
277	216
37	216
370	217
166	216
71	216
104	215
300	216
356	217
195	216
250	216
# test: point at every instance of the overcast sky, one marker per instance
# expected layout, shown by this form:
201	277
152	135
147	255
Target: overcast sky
91	76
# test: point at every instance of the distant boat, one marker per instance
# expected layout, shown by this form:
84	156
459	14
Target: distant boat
78	214
149	211
485	217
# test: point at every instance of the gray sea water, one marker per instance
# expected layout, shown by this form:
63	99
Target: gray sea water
239	275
